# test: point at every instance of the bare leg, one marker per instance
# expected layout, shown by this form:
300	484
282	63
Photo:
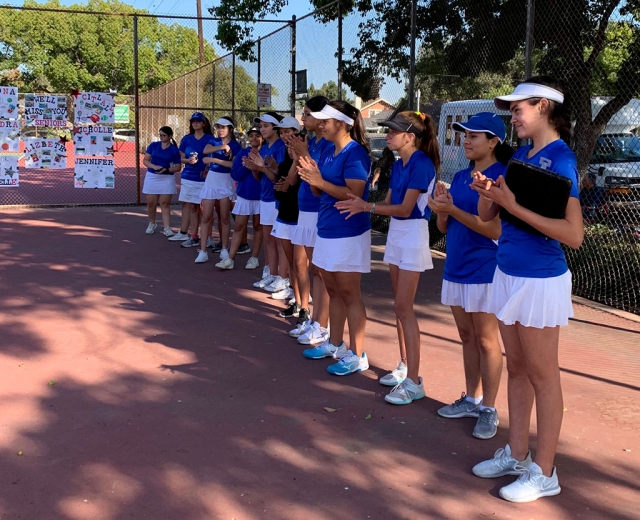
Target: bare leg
270	249
240	227
165	208
320	294
337	310
486	332
206	223
470	351
403	307
349	289
301	263
185	218
257	236
152	202
225	221
283	262
394	271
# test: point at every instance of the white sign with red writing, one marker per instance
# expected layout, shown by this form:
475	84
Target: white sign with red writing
9	102
264	95
45	110
9	135
94	107
44	153
93	172
9	175
93	140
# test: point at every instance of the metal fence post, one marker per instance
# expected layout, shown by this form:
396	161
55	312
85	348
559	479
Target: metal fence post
259	62
136	109
529	43
340	50
233	86
412	55
213	88
293	65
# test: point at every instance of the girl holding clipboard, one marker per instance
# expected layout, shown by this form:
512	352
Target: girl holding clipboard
531	289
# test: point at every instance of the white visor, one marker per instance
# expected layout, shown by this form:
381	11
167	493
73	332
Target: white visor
289	122
328	112
224	122
265	119
528	91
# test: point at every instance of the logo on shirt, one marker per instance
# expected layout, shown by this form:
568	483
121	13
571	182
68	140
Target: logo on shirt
545	163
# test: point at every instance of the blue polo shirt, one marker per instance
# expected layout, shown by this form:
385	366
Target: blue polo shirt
418	174
248	187
307	201
277	150
235	149
164	157
188	144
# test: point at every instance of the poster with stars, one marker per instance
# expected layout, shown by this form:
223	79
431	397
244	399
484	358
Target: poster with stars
9	174
9	135
94	107
45	110
44	153
8	103
93	140
93	172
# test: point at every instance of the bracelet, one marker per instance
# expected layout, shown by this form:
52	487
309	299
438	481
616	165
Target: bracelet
373	209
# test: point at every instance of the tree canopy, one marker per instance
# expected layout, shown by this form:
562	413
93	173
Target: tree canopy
57	52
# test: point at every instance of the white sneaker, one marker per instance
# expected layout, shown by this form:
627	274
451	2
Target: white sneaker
350	363
278	284
151	228
315	335
202	257
266	271
397	376
227	263
266	280
179	237
252	263
532	485
168	232
210	242
224	253
502	464
406	392
300	329
285	294
342	351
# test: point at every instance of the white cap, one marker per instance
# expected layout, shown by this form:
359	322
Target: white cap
266	118
289	122
328	112
528	91
224	122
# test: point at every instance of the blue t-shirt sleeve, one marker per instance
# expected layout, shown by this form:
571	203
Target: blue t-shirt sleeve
150	148
238	171
183	145
235	148
357	165
175	156
421	175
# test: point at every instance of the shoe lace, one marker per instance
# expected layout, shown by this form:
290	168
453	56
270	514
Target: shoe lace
528	477
485	416
400	389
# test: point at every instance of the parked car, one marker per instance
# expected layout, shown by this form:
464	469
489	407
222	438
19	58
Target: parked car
124	134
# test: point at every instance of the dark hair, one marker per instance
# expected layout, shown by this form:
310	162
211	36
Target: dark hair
356	131
206	128
503	152
316	103
231	127
428	141
169	131
560	113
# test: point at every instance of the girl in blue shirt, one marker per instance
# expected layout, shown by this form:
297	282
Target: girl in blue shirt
309	331
162	159
218	186
191	153
414	137
531	290
343	247
469	268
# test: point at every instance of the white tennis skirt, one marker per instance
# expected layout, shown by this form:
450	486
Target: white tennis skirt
408	245
155	184
217	186
306	231
268	213
532	302
344	255
282	230
246	207
190	191
472	297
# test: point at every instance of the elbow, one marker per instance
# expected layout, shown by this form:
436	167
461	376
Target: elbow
576	241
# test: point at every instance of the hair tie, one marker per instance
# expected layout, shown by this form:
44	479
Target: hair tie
421	115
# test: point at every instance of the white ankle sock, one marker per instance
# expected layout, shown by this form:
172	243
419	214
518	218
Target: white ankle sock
474	400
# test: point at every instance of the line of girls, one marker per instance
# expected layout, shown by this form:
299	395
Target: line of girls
521	285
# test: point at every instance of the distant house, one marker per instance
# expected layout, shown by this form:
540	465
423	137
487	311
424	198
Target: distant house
373	108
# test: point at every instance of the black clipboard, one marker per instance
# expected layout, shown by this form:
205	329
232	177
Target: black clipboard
542	191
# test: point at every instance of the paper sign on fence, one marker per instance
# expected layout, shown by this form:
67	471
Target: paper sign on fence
93	140
94	107
9	102
9	174
44	153
9	135
93	172
45	110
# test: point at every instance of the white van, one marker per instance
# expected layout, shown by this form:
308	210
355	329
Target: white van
616	158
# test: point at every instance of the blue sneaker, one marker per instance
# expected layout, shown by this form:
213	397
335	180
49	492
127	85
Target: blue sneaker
324	350
349	364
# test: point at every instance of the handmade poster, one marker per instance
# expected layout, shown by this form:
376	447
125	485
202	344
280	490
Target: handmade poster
9	176
8	103
93	140
94	107
44	153
93	172
45	110
9	135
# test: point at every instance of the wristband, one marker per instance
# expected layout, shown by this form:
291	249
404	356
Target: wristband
373	209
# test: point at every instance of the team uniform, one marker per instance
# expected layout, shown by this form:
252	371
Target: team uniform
287	219
471	257
268	210
218	184
192	180
532	283
408	237
156	183
248	188
306	231
343	245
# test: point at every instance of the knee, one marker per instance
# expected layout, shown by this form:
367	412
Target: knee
543	376
516	368
225	219
350	297
488	344
467	334
403	310
165	204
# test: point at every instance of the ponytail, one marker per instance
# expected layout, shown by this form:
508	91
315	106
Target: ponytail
503	153
428	141
559	113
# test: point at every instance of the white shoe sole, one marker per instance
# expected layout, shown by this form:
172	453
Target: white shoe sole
521	500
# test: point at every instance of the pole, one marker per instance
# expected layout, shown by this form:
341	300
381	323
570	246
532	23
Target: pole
200	36
259	81
340	50
529	43
412	56
233	86
293	65
136	107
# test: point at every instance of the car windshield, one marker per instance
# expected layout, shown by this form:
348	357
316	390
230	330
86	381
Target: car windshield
615	148
377	143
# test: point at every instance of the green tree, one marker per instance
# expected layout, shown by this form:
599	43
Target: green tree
328	90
